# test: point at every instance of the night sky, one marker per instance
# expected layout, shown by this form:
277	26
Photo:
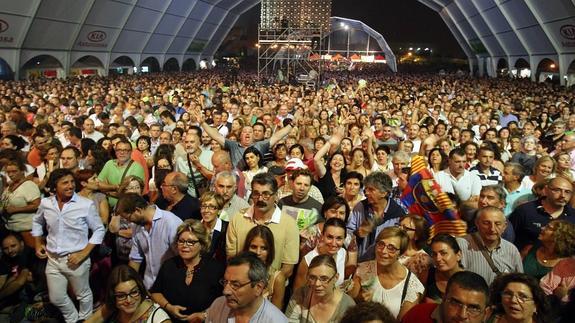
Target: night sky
399	21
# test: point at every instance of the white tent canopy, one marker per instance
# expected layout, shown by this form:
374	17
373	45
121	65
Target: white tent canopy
70	30
492	32
360	41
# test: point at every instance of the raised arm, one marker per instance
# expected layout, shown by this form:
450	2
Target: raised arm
280	134
368	134
318	158
211	131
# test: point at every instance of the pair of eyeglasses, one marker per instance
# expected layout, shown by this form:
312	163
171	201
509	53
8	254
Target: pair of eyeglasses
405	228
188	243
134	293
234	285
264	195
322	279
472	310
381	245
209	207
521	298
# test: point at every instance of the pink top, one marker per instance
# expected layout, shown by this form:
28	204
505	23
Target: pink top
564	271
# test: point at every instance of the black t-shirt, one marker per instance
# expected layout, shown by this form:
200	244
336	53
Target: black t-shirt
12	267
187	208
202	291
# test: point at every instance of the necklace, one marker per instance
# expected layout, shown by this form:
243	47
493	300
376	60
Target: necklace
189	272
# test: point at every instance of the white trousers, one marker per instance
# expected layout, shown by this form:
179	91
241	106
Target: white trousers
58	275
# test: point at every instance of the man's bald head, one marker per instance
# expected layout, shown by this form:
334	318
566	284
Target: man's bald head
222	161
558	191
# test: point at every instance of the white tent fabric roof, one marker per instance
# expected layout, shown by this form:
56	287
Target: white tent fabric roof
490	30
358	25
487	30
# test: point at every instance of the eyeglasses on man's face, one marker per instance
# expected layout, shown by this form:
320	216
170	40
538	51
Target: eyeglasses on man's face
234	285
472	310
264	195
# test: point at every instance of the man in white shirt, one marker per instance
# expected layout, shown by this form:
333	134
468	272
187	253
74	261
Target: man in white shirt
68	219
457	180
89	127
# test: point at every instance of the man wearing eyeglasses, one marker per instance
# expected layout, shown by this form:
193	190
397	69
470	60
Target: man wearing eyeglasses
115	170
529	218
153	234
176	198
264	211
244	282
465	300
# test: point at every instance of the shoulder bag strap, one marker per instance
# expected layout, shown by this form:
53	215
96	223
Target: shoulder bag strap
405	286
485	253
126	170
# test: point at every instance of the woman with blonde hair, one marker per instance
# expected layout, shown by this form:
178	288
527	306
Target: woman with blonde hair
563	168
385	279
211	204
188	283
543	169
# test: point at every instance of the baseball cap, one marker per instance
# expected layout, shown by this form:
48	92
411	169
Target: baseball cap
277	170
295	163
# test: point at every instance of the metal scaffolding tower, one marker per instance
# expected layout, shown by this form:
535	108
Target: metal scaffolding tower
290	54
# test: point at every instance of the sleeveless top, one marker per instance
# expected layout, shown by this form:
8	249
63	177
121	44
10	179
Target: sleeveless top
431	290
532	267
339	261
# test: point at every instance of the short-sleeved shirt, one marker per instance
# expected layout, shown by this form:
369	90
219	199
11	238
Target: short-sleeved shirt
237	151
506	258
465	187
183	166
283	227
493	177
305	213
112	174
27	192
530	217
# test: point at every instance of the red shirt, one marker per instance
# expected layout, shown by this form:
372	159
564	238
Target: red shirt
420	313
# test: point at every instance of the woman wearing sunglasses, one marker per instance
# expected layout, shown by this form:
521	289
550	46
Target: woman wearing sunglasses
128	301
188	283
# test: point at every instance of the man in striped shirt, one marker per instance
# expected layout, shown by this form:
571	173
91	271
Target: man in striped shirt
488	174
485	252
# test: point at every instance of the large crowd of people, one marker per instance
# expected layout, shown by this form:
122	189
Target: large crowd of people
205	196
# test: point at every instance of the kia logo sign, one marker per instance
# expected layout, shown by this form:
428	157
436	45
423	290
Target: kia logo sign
568	31
3	26
96	36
